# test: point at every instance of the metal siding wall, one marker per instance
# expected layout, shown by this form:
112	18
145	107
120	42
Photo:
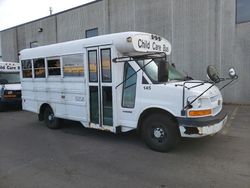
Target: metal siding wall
154	17
9	45
241	89
47	36
21	38
195	36
228	49
122	15
72	24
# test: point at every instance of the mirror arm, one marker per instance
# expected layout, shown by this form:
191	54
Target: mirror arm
231	80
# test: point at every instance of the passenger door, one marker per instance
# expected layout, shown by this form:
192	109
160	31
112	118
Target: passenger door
100	87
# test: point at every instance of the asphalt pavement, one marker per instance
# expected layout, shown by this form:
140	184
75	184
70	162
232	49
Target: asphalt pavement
33	156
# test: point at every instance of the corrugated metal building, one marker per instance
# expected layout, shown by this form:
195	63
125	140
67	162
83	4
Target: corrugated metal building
202	32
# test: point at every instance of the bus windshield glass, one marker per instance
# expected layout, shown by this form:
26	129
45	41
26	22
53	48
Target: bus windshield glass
152	67
9	78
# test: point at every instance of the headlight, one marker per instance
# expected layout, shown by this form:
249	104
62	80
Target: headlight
199	104
202	102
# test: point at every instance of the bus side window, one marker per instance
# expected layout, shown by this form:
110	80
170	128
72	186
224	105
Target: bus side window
93	70
54	68
106	65
39	68
26	68
129	87
73	65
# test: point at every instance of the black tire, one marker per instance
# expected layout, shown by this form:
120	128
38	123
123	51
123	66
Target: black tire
50	120
160	132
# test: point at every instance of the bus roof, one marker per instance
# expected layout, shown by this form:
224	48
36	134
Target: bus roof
9	67
127	43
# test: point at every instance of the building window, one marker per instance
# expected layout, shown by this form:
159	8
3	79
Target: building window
54	67
26	68
242	11
34	44
39	68
91	33
73	65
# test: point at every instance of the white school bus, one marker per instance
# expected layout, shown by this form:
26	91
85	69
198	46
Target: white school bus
10	86
117	83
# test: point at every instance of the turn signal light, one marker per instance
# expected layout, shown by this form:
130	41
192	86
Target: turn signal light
195	113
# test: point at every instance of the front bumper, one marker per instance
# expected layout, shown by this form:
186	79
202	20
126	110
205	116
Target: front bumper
12	101
199	127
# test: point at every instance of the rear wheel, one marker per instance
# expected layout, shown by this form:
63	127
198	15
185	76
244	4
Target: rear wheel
160	132
50	120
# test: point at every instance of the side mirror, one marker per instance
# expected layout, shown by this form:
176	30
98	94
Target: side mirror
213	74
163	67
232	73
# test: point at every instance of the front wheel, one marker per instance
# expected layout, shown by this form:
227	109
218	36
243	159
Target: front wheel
160	132
50	120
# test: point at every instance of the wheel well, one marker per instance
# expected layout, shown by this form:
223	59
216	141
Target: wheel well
41	111
151	111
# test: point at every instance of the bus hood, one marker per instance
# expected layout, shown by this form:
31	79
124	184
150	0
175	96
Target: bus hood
196	89
212	98
11	87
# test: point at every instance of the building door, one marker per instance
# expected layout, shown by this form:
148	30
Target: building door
100	87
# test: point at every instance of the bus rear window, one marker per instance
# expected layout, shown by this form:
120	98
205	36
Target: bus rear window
26	68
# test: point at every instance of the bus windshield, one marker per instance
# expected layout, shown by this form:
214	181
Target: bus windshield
9	78
151	68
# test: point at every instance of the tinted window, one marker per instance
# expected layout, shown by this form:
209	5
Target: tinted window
91	33
73	65
92	58
107	105
39	68
243	11
129	87
106	65
26	68
54	67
